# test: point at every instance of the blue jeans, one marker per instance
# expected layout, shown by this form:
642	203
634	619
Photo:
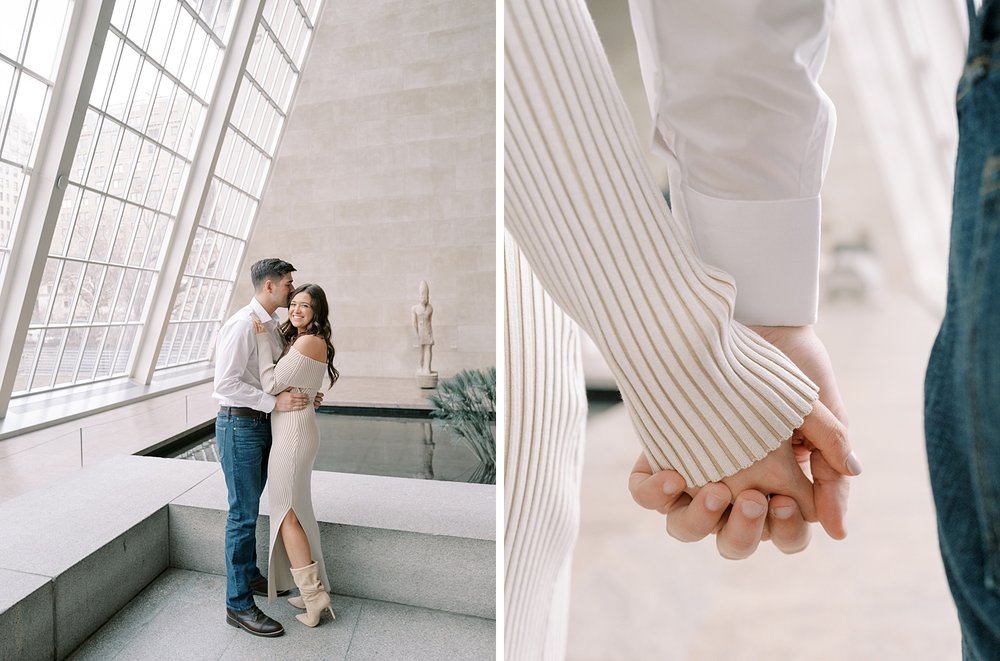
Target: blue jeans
962	385
244	445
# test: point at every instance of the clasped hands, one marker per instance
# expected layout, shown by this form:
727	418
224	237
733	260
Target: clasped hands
804	480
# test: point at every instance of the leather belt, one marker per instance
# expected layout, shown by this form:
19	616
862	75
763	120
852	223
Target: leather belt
244	412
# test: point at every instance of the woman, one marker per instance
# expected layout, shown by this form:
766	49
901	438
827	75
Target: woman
296	554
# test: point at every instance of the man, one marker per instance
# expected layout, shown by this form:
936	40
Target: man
243	433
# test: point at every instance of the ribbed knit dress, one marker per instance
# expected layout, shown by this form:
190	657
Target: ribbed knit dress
592	240
295	442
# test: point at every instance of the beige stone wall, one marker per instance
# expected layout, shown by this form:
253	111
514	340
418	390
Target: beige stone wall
386	176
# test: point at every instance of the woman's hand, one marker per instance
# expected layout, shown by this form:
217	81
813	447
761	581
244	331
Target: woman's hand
739	528
257	325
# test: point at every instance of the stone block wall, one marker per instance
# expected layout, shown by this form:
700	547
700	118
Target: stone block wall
386	176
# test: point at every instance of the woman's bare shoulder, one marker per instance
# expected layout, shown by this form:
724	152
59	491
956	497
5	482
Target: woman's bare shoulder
311	346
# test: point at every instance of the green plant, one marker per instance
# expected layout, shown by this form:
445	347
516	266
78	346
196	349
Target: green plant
466	403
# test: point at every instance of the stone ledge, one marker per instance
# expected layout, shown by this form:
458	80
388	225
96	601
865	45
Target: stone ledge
429	507
26	616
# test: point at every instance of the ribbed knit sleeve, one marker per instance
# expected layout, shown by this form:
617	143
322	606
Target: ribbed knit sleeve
707	396
277	377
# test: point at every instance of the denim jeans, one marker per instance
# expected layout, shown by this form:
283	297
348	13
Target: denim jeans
962	385
244	445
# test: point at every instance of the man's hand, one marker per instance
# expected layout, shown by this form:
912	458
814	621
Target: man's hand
291	401
318	400
830	484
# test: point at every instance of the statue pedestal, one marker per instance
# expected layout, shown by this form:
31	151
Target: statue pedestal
427	380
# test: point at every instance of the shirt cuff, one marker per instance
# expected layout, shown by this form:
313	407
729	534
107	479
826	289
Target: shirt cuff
771	248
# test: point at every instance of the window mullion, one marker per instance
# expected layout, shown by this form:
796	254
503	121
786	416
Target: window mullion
157	314
44	192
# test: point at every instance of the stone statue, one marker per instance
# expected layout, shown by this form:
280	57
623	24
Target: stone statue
422	313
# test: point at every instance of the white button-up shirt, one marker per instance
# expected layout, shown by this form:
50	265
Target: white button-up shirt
746	131
237	374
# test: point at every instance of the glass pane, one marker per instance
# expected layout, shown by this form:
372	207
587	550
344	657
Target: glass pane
174	183
11	179
103	79
161	30
191	129
6	79
121	88
104	154
146	87
108	352
128	150
31	345
71	354
158	118
91	352
179	43
176	313
86	218
15	15
193	61
126	233
47	357
138	303
92	278
106	295
141	175
118	288
87	139
104	238
222	24
66	292
168	340
207	71
45	41
124	350
40	310
138	24
29	103
175	120
143	231
60	239
156	242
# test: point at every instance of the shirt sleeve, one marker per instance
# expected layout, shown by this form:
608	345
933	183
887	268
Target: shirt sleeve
235	350
707	396
747	131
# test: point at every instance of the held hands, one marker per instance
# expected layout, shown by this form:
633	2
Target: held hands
819	449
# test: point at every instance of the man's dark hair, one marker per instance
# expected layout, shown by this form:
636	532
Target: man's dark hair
268	269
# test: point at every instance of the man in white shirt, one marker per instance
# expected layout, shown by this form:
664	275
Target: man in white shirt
243	433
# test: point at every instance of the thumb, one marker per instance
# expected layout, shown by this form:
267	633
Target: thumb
829	436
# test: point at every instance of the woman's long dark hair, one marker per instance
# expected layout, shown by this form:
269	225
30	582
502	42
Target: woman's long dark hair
320	325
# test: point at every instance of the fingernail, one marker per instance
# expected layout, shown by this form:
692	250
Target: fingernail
853	464
671	488
715	503
782	512
751	509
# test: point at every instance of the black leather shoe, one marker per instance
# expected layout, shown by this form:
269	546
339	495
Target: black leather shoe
255	621
259	588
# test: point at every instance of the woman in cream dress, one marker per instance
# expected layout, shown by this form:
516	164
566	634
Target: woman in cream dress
296	554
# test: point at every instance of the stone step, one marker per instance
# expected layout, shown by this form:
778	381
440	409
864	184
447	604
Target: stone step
74	553
417	542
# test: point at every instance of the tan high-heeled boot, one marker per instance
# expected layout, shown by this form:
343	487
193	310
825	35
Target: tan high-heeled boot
315	598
